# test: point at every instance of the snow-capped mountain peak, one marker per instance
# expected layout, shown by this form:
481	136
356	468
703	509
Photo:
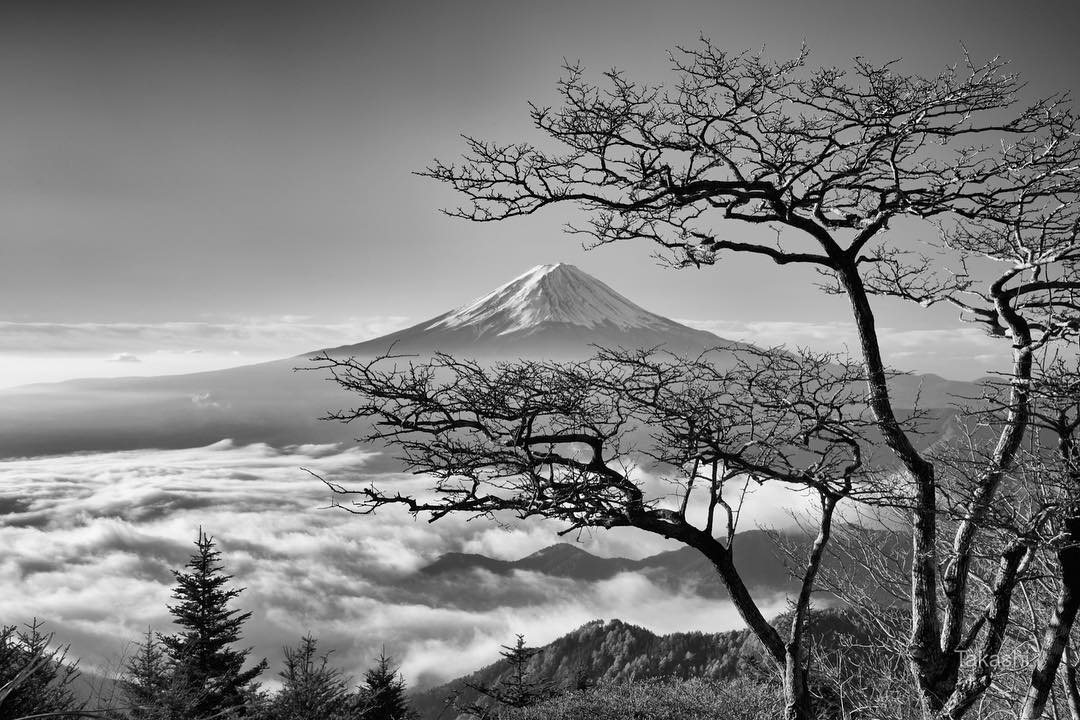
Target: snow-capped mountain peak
558	293
550	312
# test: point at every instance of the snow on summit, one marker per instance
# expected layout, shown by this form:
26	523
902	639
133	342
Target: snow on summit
550	312
558	293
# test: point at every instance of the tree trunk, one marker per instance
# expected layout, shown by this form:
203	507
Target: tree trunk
935	673
968	690
797	704
722	561
1072	690
1056	636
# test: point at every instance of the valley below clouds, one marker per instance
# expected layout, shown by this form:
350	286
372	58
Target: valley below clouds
90	541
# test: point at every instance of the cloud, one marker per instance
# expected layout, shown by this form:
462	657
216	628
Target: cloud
945	351
33	352
249	334
91	539
206	400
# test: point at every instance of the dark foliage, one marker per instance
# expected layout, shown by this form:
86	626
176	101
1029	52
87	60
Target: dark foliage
201	655
518	687
150	688
311	687
697	699
383	692
34	678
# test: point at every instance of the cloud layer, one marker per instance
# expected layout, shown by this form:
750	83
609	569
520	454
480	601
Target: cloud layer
91	541
963	353
33	352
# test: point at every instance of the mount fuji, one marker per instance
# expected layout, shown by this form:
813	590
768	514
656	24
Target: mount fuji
550	312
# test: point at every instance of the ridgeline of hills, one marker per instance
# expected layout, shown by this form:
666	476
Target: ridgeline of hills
684	570
615	652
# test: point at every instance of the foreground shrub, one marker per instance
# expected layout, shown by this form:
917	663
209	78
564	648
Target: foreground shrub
35	678
696	699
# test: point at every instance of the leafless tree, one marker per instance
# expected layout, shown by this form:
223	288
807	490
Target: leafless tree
565	441
1056	416
846	165
1028	549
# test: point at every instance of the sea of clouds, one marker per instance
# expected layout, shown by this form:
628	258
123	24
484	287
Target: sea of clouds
90	542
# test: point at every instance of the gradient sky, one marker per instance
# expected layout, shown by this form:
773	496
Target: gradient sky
248	164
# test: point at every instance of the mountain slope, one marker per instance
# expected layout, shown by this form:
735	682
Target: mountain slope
558	293
613	651
550	312
604	651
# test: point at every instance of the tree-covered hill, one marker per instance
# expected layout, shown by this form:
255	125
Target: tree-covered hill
613	651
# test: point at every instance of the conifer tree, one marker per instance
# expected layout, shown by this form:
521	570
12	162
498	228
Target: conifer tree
150	687
383	692
145	680
201	656
34	678
311	687
518	688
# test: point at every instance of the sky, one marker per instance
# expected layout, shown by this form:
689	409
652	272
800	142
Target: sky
195	185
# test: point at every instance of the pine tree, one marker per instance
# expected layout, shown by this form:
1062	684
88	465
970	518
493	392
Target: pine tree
516	689
383	693
201	658
145	679
312	689
519	689
151	689
34	678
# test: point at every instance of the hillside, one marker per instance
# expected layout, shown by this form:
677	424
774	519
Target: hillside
612	651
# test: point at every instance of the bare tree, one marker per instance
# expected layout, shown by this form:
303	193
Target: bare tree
833	159
1028	547
562	441
1056	412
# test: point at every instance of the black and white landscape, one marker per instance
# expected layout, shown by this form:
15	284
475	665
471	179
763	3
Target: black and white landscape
101	516
596	359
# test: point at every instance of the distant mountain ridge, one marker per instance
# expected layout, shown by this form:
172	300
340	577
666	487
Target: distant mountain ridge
551	312
683	570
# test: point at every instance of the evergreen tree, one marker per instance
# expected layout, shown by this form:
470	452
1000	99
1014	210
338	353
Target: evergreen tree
383	693
151	689
145	679
201	657
33	678
515	689
312	689
520	689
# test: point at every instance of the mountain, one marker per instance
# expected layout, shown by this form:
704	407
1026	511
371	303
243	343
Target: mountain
603	651
550	312
561	560
684	570
613	651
